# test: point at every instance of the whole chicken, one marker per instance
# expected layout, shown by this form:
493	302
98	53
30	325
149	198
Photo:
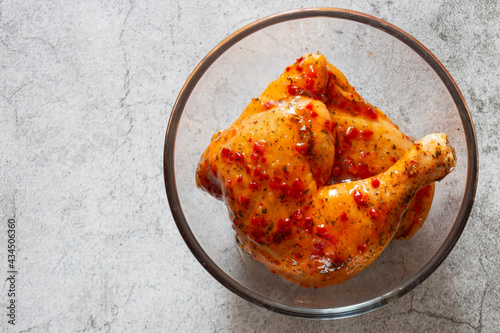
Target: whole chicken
316	180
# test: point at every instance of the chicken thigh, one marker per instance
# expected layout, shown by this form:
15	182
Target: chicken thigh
316	180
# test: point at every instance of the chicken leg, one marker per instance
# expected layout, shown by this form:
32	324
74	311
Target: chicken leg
273	168
348	225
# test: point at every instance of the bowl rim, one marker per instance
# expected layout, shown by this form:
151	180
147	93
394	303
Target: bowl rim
233	285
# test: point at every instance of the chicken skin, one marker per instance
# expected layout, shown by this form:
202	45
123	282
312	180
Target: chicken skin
317	181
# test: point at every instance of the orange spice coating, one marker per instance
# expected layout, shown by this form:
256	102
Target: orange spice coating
309	175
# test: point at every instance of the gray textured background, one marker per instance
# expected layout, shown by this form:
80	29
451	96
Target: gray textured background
86	90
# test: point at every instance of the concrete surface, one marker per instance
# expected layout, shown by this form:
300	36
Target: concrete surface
86	90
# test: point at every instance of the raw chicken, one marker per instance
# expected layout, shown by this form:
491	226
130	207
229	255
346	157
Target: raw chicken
275	165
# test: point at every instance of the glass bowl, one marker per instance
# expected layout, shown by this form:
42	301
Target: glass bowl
391	70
